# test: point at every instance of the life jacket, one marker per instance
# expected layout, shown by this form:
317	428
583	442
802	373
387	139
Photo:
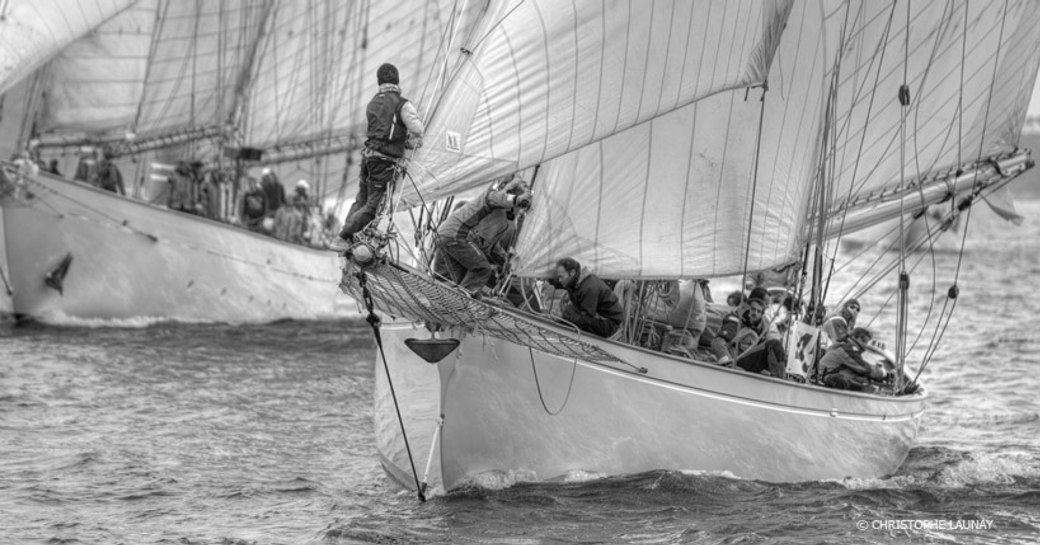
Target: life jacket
386	131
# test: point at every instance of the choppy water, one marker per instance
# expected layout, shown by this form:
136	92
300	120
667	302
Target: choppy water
192	434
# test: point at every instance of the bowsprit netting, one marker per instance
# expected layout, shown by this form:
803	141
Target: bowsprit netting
400	292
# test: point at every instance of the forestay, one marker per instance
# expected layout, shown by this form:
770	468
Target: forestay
544	77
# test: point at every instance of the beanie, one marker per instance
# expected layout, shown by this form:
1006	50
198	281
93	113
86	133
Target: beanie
387	73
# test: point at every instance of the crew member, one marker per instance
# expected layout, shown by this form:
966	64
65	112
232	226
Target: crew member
592	306
393	127
459	259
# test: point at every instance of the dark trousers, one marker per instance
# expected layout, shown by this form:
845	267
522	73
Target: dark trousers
767	356
377	174
597	325
846	380
462	263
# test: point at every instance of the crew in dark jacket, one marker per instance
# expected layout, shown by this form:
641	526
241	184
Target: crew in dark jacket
459	258
274	191
843	366
593	307
108	176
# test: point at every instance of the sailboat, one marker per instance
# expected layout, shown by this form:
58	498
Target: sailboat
680	140
239	85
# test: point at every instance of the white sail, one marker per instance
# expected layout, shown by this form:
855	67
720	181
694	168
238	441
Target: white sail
264	73
947	123
32	31
543	77
163	67
318	67
677	196
95	84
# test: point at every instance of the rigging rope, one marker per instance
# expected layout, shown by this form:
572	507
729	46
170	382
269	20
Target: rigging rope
7	285
954	290
754	180
374	321
538	384
904	277
879	54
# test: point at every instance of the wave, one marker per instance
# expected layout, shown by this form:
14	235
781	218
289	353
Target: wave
942	468
59	318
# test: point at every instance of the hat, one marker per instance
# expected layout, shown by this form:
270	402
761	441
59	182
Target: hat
387	73
302	184
758	300
861	332
851	302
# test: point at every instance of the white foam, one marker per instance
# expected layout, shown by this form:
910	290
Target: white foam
58	317
704	473
977	469
581	476
499	480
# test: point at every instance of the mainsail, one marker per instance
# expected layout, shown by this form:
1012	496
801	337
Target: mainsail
541	78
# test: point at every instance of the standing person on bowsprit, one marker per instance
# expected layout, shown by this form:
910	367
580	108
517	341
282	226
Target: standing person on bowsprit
393	126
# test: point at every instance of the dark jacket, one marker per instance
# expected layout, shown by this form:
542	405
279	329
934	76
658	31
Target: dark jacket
109	178
254	206
591	297
274	192
494	235
465	219
847	356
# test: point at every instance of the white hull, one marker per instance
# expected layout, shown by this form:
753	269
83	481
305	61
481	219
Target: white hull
680	416
132	260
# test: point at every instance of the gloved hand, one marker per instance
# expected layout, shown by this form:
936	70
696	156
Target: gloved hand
523	201
413	142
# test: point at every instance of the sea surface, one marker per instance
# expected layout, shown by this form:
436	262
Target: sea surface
230	435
